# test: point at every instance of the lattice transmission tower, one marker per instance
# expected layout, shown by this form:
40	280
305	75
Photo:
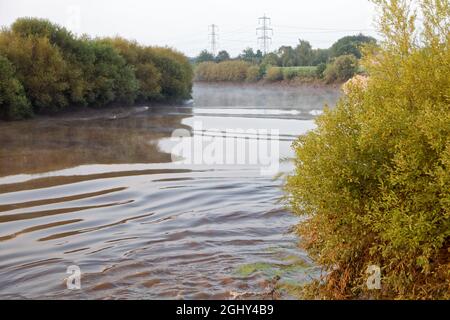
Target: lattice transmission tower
213	35
264	33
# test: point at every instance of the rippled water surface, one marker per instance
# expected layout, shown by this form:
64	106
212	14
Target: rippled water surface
100	191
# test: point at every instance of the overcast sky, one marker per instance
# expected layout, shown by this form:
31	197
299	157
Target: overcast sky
184	24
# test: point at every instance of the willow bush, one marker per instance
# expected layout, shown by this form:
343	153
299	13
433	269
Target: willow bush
273	74
373	179
341	69
140	57
254	74
13	102
40	68
58	70
176	72
232	70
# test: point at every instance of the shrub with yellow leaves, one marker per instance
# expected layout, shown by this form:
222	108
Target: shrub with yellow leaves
373	179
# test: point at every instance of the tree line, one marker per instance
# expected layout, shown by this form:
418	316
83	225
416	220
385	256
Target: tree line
44	68
337	63
301	55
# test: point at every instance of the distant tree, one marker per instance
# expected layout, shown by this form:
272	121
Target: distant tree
320	56
247	54
259	56
222	56
204	56
271	59
350	45
321	67
288	56
250	56
304	53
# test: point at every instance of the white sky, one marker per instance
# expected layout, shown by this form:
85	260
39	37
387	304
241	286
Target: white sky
184	24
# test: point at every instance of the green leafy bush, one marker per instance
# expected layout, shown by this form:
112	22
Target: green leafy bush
350	45
111	79
253	74
271	59
142	60
373	179
41	69
320	70
342	69
72	50
330	73
13	102
58	69
176	72
274	74
346	66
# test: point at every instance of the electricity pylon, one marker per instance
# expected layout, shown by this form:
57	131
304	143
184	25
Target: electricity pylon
213	37
263	33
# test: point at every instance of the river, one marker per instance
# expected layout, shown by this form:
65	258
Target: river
116	195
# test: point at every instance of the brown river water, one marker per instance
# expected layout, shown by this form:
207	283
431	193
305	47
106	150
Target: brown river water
106	191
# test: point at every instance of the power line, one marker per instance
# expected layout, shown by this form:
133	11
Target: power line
213	35
249	29
324	29
321	32
263	33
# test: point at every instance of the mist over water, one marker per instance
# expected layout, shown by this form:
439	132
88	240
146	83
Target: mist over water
100	191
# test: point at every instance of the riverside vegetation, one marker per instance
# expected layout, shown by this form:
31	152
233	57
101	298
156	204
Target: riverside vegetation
303	63
372	181
44	69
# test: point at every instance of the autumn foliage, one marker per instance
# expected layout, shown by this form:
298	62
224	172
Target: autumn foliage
373	179
50	69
